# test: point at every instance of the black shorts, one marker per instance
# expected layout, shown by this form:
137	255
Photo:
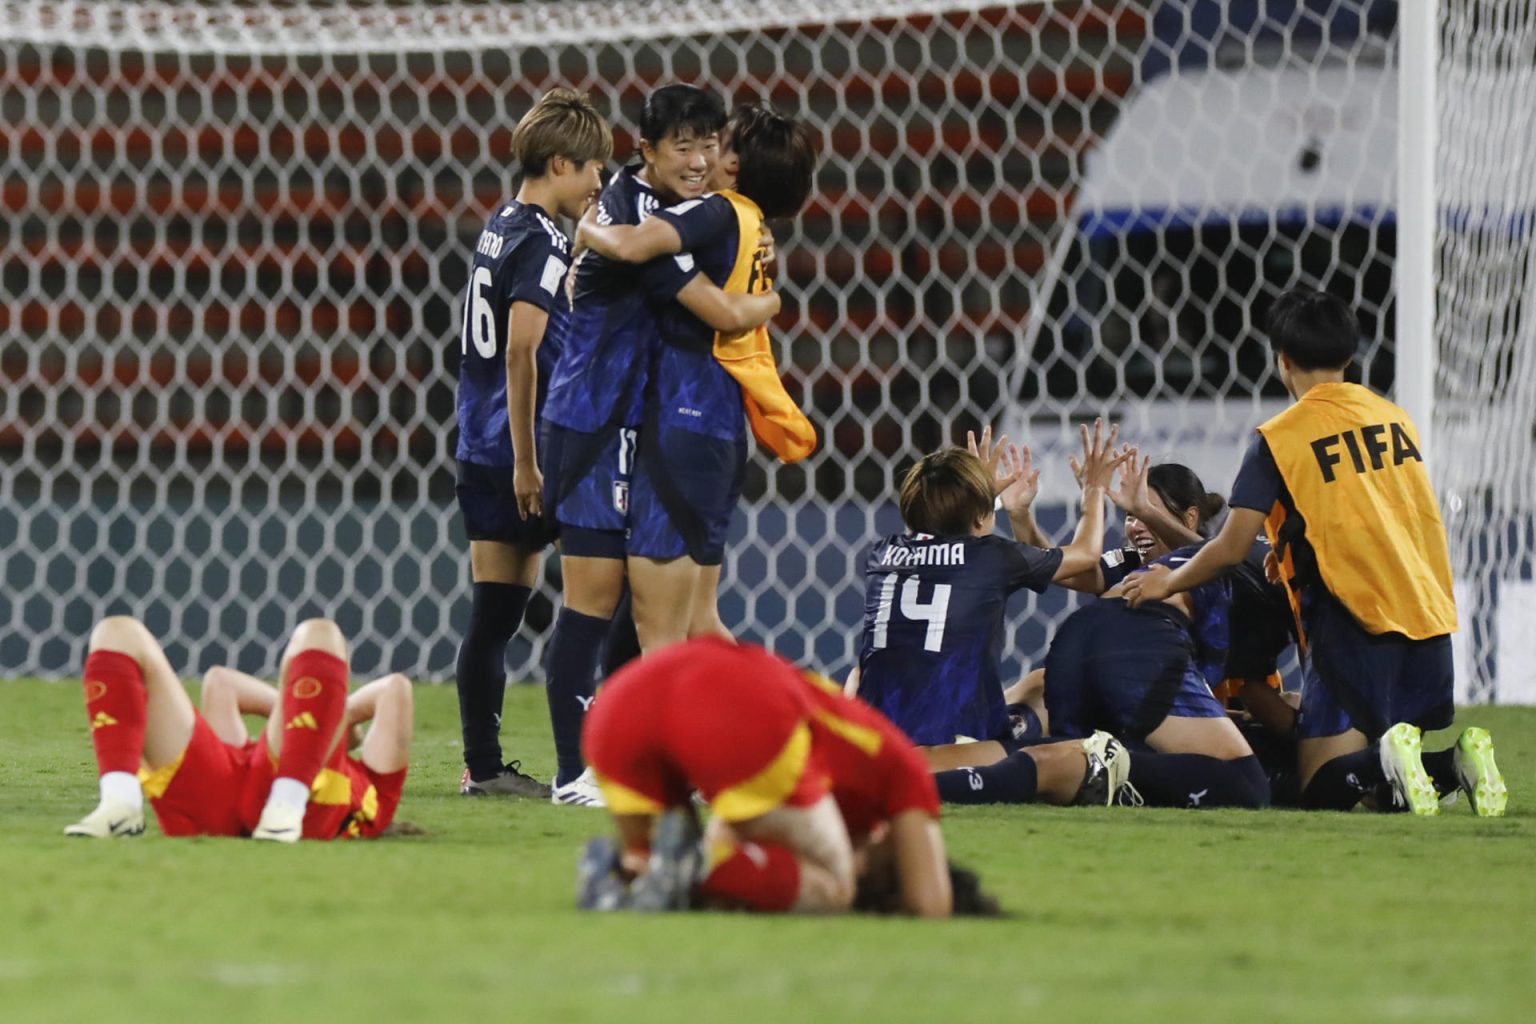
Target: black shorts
489	504
684	493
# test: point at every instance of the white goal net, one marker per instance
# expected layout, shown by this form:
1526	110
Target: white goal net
237	236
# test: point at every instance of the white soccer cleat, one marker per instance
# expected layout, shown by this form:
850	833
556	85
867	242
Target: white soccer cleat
1109	771
280	823
582	791
112	819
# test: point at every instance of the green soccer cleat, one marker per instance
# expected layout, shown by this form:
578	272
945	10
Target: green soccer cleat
1402	760
1478	774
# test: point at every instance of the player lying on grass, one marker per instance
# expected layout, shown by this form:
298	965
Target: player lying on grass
935	596
707	382
1339	483
1144	675
596	397
514	315
201	771
803	785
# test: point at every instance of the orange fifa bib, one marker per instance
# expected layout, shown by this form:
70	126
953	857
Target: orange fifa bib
776	420
1352	464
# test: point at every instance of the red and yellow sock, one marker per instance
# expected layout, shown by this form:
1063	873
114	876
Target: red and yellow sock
313	706
115	702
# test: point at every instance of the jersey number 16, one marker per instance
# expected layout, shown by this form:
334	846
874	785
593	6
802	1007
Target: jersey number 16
934	611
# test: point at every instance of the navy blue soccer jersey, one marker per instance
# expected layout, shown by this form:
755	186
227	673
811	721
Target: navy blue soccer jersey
933	630
1210	627
521	256
691	390
612	335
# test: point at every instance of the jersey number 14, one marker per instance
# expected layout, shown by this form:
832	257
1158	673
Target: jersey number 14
933	612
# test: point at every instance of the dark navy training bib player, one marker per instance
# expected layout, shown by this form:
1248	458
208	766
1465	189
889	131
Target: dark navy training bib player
514	312
935	597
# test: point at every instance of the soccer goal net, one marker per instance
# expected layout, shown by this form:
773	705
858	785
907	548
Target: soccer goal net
238	237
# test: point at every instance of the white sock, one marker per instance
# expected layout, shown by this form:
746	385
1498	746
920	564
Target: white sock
289	791
124	788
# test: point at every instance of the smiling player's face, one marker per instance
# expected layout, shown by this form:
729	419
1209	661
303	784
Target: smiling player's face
679	167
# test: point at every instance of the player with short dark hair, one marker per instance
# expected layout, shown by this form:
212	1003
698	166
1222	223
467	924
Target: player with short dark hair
596	398
708	382
514	312
1339	483
202	773
935	596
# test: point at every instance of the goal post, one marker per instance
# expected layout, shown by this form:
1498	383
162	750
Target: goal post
239	234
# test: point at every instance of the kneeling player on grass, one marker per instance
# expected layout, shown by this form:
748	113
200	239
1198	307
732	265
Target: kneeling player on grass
1339	483
935	597
794	774
1145	675
202	773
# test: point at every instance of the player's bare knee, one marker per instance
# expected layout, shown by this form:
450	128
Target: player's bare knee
399	691
121	633
318	635
218	686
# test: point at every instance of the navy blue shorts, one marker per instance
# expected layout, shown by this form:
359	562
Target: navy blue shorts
1358	680
489	505
1123	670
683	494
587	478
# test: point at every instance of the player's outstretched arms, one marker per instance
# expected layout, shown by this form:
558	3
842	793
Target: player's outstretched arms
921	867
628	243
1225	550
727	313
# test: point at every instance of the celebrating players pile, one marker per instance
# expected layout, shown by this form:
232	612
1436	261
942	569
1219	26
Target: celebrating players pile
606	393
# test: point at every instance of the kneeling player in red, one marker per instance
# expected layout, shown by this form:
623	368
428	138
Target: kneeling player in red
781	763
202	773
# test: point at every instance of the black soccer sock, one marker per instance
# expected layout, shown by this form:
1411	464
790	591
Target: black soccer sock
496	610
574	651
1339	784
1012	780
1195	780
623	642
1441	765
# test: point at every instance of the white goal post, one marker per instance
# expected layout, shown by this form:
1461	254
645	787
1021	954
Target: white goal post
237	240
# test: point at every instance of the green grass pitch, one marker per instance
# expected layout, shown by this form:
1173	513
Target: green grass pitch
1116	914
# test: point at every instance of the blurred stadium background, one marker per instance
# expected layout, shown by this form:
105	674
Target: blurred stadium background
235	246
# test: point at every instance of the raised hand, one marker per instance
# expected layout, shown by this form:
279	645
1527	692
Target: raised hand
1132	495
1018	481
1100	460
985	450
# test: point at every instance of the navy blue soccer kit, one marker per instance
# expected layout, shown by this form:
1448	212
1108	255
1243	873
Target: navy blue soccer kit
521	256
934	612
596	389
692	451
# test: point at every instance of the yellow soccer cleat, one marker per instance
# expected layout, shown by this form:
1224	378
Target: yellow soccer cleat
1478	775
1402	760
